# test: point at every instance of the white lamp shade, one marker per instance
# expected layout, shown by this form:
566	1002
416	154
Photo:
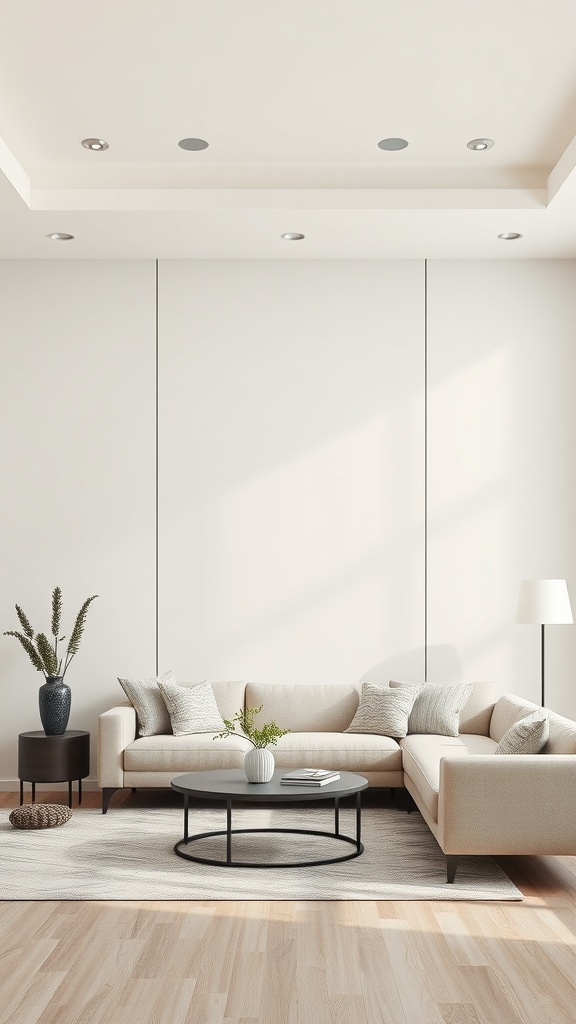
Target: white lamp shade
544	602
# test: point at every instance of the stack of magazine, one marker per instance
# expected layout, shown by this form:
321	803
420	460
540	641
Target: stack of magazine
309	777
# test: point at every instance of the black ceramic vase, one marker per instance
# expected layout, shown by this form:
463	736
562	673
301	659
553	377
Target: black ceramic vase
54	697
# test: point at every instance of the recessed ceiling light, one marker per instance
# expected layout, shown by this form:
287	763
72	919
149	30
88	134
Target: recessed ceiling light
60	236
95	144
509	236
193	144
292	236
392	145
480	144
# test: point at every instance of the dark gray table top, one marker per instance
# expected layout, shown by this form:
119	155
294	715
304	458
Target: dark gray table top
232	783
39	734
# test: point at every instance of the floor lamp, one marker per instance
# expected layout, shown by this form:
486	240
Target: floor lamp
544	602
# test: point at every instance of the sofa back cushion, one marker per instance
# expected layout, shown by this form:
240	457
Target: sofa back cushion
476	714
305	708
562	735
477	711
229	697
508	710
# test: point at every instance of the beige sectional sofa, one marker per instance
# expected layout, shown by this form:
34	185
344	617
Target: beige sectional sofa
474	801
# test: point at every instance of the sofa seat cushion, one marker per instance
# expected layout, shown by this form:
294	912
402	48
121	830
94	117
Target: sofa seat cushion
350	752
421	758
196	752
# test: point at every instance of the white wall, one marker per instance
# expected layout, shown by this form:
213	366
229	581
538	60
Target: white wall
501	468
291	470
77	466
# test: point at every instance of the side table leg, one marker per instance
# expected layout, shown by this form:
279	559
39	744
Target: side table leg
336	815
70	794
358	820
79	792
21	792
228	831
33	792
186	818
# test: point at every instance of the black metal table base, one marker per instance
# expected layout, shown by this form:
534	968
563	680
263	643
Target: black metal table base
180	847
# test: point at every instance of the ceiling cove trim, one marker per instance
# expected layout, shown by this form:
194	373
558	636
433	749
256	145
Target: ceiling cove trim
111	200
564	171
15	173
562	177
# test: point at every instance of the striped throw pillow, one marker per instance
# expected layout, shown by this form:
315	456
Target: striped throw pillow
152	718
192	708
527	736
437	707
383	711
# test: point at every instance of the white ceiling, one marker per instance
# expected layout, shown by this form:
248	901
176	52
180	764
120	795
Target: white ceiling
293	97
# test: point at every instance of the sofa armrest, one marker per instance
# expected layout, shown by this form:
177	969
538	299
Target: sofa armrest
508	804
116	729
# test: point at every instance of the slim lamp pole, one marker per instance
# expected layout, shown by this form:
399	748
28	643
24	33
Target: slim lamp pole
542	659
545	602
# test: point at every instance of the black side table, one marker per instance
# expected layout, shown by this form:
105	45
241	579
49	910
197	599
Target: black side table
43	758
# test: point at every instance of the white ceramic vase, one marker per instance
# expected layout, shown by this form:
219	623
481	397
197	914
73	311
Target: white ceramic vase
259	764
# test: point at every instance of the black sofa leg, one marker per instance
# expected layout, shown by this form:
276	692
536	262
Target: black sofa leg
451	865
410	803
107	795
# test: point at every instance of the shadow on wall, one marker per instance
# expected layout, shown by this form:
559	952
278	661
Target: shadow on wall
402	666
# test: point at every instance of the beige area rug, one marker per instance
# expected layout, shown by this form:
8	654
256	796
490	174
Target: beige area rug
128	854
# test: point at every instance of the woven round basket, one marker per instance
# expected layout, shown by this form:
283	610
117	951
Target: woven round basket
40	816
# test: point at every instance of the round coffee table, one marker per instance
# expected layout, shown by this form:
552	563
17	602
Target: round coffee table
231	785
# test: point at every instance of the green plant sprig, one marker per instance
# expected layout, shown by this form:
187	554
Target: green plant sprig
267	735
24	622
76	635
29	648
42	653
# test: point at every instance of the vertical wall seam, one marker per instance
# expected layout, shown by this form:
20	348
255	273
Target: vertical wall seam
426	470
156	469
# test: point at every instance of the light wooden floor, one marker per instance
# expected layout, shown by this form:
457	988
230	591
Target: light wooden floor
295	963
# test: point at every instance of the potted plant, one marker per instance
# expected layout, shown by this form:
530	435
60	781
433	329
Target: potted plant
54	694
258	762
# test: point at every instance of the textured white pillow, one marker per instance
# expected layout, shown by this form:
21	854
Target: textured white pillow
152	718
192	708
383	711
437	707
527	736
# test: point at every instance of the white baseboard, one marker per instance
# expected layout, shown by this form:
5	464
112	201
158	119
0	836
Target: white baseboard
13	786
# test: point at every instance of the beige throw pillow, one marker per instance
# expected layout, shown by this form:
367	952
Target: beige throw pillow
527	736
152	718
192	708
437	707
383	711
